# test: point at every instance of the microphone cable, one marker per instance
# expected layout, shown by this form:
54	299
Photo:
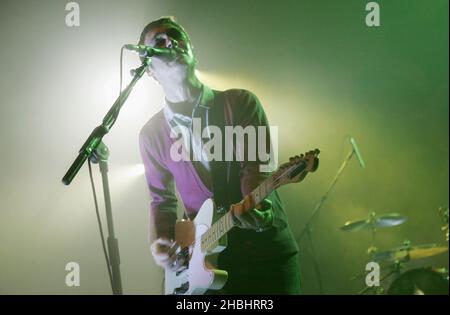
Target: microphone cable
99	221
97	212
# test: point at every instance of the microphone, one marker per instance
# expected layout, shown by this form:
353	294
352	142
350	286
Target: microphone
147	51
356	151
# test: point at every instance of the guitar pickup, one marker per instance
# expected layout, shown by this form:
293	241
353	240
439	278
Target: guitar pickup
182	289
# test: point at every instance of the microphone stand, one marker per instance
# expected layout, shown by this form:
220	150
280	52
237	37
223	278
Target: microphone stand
307	229
100	156
96	151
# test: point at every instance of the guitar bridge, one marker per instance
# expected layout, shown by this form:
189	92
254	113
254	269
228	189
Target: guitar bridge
183	269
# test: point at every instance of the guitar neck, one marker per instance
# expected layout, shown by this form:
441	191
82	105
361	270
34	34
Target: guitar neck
262	191
226	222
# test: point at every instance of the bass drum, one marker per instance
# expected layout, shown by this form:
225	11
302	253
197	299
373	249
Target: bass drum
423	281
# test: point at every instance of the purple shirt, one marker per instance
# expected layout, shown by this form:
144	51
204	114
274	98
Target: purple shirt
163	174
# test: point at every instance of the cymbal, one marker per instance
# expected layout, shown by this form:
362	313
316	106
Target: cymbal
411	252
373	222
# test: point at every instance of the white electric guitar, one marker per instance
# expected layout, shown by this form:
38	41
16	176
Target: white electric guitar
192	268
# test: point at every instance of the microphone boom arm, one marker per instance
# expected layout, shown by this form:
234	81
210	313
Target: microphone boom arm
99	132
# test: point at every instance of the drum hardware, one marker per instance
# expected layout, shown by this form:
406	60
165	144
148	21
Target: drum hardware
395	269
420	281
442	271
443	212
408	252
372	223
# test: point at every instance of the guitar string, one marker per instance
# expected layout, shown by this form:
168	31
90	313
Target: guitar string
185	250
275	180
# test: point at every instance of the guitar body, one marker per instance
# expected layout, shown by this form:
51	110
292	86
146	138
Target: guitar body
200	273
198	241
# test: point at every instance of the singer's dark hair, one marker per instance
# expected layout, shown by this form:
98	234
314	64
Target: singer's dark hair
176	29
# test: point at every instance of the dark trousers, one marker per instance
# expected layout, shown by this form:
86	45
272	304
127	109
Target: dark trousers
279	276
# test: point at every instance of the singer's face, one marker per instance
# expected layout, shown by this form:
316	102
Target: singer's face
169	37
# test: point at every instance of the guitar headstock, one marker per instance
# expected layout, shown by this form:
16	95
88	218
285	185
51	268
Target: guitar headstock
297	168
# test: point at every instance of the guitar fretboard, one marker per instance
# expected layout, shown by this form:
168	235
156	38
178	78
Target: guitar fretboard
216	231
262	191
226	222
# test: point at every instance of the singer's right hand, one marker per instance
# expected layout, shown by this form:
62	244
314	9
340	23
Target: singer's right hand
160	251
164	252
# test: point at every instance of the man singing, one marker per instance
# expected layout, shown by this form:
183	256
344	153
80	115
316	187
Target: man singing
261	256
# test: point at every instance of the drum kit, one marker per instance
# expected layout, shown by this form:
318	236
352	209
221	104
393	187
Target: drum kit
418	281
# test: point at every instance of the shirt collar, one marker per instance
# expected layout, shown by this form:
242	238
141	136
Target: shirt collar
206	101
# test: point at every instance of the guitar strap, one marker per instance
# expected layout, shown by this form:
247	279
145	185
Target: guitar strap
220	170
225	184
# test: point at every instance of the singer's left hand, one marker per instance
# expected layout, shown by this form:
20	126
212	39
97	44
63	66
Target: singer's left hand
257	218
